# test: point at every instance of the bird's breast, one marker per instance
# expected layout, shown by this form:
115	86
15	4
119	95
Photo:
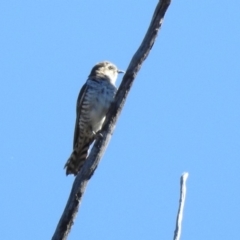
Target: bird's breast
100	97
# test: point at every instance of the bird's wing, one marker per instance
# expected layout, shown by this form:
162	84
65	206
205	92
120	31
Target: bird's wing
78	111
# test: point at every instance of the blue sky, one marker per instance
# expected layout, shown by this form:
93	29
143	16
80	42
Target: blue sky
182	114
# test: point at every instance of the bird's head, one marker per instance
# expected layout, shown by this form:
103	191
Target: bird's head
105	71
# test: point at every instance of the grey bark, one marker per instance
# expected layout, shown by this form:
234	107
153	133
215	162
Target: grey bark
81	180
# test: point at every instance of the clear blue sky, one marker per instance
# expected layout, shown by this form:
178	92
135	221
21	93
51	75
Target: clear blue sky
182	114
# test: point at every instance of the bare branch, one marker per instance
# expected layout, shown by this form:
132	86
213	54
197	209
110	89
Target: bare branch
177	232
101	143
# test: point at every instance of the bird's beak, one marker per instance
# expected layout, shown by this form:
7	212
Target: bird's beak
120	71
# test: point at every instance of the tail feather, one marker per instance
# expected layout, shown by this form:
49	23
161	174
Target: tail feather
77	159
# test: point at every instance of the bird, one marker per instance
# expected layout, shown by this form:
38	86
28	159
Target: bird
94	100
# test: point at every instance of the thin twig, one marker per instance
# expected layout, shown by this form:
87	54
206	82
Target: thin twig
81	180
183	189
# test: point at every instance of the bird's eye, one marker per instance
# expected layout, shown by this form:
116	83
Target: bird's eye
110	67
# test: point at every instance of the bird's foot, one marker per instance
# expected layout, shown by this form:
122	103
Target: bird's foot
96	134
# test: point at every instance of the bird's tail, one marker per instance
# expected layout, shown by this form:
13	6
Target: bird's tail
77	158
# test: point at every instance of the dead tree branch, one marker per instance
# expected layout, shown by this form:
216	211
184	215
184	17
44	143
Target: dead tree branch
178	229
81	180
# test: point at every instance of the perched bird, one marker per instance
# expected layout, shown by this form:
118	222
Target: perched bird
93	103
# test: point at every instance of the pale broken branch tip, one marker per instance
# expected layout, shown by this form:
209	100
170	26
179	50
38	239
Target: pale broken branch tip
183	190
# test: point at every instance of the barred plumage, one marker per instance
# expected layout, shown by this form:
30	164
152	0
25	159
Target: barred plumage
93	103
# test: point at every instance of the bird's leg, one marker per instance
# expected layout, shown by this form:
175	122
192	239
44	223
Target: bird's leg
96	134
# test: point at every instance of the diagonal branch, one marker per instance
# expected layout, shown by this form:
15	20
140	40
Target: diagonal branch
81	180
183	189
